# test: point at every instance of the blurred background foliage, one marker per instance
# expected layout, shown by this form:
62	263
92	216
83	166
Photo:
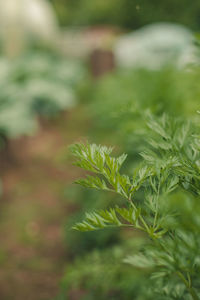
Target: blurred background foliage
127	14
82	93
36	83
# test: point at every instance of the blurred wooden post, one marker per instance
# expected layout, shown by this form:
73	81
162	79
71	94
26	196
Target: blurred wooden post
101	62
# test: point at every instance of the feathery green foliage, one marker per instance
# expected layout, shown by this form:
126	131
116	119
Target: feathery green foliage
170	169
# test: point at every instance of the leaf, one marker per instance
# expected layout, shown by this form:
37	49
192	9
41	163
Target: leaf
171	184
140	261
110	217
158	128
130	215
93	182
97	159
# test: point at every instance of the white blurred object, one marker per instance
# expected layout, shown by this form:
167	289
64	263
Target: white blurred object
155	46
25	20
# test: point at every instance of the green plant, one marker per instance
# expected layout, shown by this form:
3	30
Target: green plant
38	83
126	13
77	243
120	98
169	172
99	275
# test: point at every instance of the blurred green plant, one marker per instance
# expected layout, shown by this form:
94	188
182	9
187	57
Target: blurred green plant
100	275
126	13
170	166
122	98
35	84
126	94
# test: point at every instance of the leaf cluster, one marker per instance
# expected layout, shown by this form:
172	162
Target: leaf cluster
170	165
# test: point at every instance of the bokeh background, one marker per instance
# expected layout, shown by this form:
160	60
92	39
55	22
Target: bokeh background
77	70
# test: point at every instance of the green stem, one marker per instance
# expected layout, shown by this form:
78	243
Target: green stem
140	217
191	290
193	294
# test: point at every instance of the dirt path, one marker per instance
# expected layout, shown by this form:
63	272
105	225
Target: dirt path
33	210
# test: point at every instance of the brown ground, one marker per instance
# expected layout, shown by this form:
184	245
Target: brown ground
33	209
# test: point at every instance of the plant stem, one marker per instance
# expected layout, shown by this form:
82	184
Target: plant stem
191	290
140	216
193	294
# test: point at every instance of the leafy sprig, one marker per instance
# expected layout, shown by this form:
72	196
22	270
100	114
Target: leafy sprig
171	164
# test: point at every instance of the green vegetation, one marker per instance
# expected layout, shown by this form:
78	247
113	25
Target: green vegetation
149	210
127	13
130	226
170	171
35	84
